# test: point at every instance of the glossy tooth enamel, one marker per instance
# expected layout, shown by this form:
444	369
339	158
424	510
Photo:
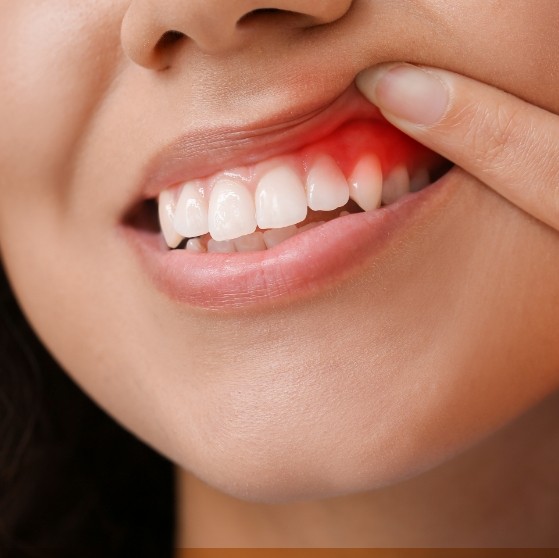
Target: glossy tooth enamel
280	199
166	210
191	213
273	237
231	210
365	183
250	243
327	187
395	185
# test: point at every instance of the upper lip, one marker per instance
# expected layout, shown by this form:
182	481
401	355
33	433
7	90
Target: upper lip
200	153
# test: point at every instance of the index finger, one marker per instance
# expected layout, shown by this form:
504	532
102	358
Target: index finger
507	143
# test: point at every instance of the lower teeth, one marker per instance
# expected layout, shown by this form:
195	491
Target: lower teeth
254	242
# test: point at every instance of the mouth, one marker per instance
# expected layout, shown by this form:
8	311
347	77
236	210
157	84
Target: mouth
292	217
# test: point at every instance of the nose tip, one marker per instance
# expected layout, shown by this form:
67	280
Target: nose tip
152	30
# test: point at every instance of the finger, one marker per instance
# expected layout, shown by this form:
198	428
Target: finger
509	144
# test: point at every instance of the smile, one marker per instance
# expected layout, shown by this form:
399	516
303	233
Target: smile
285	225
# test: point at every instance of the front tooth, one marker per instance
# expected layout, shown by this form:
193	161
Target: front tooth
250	243
419	180
191	213
273	237
221	246
396	185
280	199
166	209
231	211
365	183
327	187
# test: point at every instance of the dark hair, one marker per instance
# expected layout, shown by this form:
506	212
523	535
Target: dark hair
71	479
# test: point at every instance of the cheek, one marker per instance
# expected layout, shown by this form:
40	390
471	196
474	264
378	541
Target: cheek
50	84
512	45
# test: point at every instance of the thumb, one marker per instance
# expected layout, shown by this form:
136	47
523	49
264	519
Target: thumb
508	144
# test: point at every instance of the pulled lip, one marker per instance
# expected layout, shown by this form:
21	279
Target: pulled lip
201	153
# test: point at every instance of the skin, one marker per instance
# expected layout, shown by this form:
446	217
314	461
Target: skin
389	398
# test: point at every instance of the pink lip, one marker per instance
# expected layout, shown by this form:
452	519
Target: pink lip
307	263
204	152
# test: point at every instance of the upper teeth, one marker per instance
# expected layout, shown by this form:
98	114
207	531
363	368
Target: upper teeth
231	211
276	195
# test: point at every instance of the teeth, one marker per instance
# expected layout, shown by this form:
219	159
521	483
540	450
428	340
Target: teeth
396	185
327	187
166	210
419	180
365	183
274	236
280	199
283	195
231	211
250	243
191	213
195	245
221	246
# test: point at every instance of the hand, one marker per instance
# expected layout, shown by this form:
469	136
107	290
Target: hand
508	144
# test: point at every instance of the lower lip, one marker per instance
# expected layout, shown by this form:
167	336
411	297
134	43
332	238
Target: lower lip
305	265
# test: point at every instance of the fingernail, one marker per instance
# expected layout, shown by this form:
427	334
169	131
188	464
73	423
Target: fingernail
406	92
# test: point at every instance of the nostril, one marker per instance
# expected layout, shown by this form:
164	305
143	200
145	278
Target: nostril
168	39
262	14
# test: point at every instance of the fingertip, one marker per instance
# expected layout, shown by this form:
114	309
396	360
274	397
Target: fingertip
405	92
367	80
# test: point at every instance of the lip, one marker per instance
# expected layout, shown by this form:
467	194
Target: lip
201	153
308	263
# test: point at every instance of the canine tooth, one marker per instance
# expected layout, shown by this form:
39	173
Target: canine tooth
327	187
231	211
419	180
166	210
396	185
280	199
273	237
191	213
195	245
365	183
250	243
221	246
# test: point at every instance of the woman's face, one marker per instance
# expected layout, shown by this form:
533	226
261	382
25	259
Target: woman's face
441	327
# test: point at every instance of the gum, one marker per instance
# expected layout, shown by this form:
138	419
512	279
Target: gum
346	145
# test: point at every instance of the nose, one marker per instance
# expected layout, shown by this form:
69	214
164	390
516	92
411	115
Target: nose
153	30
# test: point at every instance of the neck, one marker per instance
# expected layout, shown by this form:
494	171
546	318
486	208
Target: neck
503	492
